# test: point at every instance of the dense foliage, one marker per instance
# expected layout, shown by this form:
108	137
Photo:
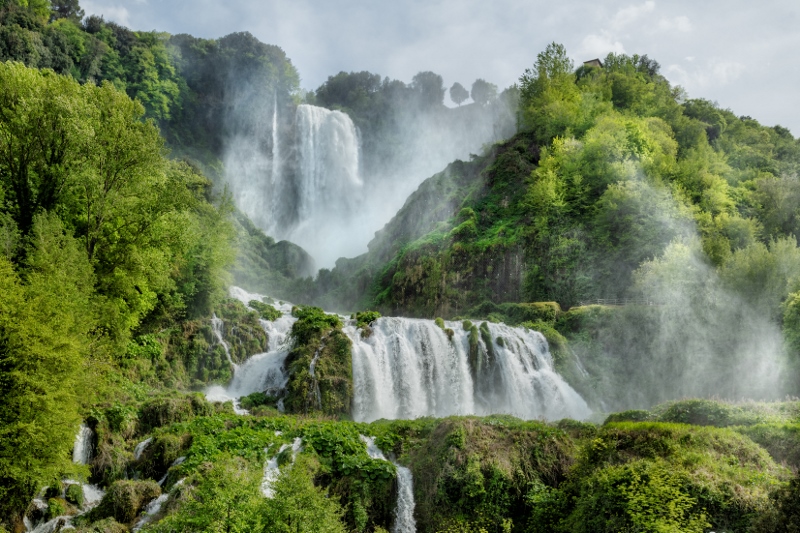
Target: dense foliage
617	186
103	237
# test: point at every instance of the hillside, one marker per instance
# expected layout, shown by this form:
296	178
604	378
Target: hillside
626	249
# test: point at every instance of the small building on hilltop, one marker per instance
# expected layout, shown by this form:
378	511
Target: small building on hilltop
593	63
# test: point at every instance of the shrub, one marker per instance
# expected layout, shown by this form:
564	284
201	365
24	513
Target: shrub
74	495
125	499
266	311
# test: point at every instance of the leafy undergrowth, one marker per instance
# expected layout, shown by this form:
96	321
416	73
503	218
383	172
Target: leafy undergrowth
495	473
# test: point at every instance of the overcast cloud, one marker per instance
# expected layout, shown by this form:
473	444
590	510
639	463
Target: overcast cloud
740	54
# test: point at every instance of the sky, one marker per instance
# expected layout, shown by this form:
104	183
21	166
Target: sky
741	54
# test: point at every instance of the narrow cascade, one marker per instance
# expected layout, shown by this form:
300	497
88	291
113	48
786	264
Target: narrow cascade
139	450
276	154
409	368
82	451
272	470
153	508
404	511
262	372
217	328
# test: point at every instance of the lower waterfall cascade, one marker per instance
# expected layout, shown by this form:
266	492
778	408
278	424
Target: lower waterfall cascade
409	368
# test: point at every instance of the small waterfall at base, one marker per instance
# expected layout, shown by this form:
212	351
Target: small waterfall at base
404	511
262	372
139	450
82	451
272	470
409	368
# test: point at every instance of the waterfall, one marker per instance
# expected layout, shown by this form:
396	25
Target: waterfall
328	184
272	470
404	510
276	161
153	508
328	147
139	450
82	450
150	511
217	327
262	372
409	368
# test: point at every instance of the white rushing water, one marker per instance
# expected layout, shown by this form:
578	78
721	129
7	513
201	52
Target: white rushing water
328	184
154	507
272	470
139	450
150	511
217	327
404	510
409	368
82	451
262	372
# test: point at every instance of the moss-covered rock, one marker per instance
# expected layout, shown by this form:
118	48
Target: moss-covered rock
713	478
242	330
106	525
56	507
266	311
161	453
125	499
166	410
74	495
320	365
473	473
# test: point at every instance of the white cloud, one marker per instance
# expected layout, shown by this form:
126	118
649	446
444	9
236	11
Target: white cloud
715	73
599	45
631	14
680	24
116	13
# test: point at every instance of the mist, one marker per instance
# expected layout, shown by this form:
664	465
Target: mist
690	332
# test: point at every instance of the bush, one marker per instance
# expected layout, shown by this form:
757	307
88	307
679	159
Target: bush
266	311
366	318
56	507
124	500
74	495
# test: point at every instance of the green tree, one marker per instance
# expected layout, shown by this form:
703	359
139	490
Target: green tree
299	506
45	335
429	88
483	92
66	9
225	498
458	94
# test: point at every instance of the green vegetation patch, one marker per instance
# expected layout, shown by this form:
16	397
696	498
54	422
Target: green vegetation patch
320	364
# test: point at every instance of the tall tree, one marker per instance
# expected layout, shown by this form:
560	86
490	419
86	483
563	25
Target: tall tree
66	9
458	94
429	86
45	325
483	92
